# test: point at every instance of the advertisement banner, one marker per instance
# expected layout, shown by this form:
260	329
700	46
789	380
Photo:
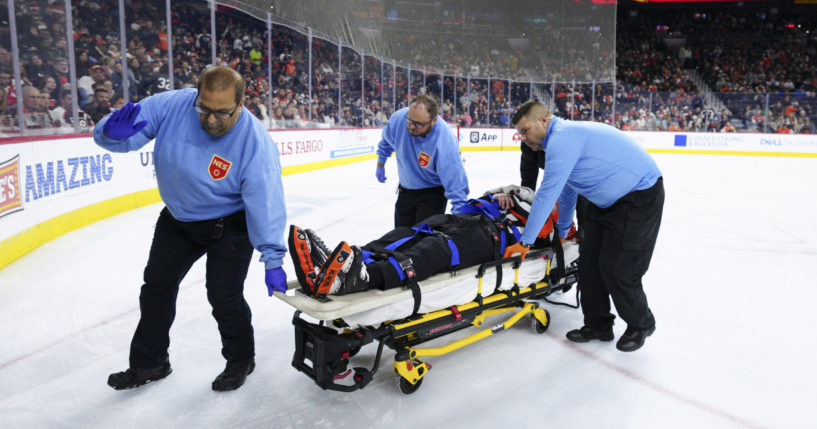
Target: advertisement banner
42	180
727	143
489	139
10	199
481	137
306	146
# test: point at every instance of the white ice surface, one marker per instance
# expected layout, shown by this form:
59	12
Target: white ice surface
732	286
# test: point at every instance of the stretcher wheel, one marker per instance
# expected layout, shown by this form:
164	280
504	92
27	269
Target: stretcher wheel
406	387
542	328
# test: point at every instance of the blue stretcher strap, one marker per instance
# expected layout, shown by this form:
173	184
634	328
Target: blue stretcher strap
423	228
393	261
455	254
367	256
486	206
400	242
502	242
419	229
516	234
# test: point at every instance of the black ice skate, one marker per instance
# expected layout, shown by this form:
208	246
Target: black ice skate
331	274
355	278
308	254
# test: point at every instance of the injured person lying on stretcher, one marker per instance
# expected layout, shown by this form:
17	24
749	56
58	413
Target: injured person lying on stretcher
407	255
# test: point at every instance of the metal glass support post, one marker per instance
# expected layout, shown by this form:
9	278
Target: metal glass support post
593	103
72	69
169	52
213	31
310	73
15	61
340	85
269	70
408	84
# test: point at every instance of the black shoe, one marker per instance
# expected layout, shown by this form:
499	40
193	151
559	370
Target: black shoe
355	277
135	377
233	375
586	333
633	338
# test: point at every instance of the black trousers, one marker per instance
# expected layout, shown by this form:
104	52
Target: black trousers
581	208
415	205
431	254
615	254
176	246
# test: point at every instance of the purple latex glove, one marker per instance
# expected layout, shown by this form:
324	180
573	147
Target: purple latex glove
380	173
276	280
120	125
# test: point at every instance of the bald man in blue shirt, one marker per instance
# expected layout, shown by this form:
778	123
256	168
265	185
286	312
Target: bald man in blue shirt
219	175
625	191
428	162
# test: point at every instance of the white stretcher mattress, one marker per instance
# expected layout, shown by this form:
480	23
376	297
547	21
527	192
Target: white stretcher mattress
373	307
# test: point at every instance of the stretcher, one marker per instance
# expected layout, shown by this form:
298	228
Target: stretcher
449	302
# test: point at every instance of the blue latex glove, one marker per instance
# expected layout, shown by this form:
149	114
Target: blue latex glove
380	173
276	280
120	124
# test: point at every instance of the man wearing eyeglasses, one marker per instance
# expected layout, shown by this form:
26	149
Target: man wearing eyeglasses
219	175
429	166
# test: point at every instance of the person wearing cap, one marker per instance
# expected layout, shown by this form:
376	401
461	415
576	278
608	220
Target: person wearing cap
625	194
219	175
429	166
86	83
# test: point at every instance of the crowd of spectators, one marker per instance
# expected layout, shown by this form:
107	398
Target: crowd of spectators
759	63
761	67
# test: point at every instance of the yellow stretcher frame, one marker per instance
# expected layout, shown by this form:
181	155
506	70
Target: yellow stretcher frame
323	353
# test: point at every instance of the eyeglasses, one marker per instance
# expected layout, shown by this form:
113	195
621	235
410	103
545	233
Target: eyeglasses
206	112
415	124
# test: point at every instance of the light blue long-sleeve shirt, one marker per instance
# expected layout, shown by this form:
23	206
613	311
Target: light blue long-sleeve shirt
425	162
590	159
184	157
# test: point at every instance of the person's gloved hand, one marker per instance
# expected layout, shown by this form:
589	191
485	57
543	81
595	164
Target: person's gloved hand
276	280
516	248
120	124
380	173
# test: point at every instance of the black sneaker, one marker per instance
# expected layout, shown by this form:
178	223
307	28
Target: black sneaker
135	377
633	338
233	375
586	333
356	277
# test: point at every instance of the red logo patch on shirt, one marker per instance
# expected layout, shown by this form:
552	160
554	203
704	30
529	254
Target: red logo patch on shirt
219	167
424	159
